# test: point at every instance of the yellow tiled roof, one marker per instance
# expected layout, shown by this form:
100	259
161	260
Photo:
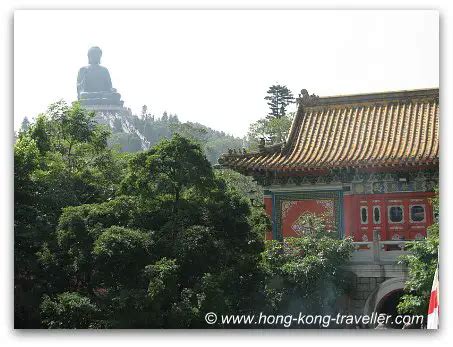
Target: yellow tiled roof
368	130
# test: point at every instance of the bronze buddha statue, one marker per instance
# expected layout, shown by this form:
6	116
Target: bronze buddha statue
94	86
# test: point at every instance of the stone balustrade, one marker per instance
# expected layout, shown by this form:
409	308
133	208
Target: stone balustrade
378	252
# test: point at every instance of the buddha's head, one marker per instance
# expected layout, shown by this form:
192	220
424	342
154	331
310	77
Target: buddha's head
94	55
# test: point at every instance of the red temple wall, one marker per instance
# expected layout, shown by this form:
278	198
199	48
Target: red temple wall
407	229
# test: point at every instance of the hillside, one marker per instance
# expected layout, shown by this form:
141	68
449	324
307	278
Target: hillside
131	133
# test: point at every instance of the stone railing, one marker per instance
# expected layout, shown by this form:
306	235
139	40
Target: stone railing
378	252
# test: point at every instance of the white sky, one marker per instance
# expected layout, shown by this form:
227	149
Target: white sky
214	67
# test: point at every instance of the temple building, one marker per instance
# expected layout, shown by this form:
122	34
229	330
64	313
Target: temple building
368	164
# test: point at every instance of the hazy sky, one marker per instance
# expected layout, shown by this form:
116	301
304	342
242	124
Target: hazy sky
214	67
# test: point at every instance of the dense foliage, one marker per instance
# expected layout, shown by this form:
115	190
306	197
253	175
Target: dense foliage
272	130
304	274
61	160
421	264
244	185
152	239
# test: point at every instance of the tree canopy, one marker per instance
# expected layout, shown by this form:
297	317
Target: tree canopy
272	130
278	97
304	274
60	160
421	263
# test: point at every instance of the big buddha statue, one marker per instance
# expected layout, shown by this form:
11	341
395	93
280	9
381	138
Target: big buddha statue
94	86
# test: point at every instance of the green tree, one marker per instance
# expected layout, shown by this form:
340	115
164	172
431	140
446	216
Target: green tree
68	311
177	244
244	185
123	249
421	263
273	130
25	124
304	274
279	97
144	112
125	142
61	160
170	168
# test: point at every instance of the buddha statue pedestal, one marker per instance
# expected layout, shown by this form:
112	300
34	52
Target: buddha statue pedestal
101	98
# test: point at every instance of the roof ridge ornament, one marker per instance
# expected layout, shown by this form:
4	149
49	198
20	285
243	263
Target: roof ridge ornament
306	99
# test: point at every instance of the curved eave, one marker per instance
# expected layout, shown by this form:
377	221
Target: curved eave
409	163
